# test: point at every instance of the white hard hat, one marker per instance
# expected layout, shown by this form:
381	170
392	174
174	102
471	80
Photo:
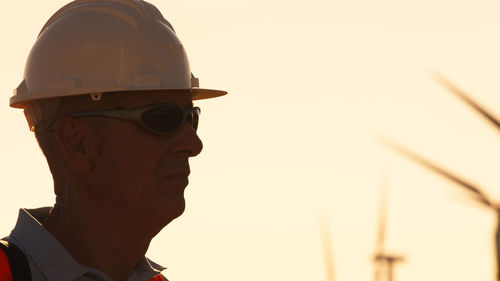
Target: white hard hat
99	46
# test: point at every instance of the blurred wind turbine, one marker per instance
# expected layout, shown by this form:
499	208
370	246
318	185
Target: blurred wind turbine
327	248
473	191
383	259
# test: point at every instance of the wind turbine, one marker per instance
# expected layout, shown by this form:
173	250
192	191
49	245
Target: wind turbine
473	190
383	259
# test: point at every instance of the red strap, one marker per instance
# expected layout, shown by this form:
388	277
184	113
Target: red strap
158	277
5	274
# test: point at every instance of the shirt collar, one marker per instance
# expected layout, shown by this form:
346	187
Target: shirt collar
37	242
145	270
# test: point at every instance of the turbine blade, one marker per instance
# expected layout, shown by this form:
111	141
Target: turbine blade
469	198
435	168
463	96
327	248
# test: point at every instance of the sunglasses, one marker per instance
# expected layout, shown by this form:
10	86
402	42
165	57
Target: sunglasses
157	118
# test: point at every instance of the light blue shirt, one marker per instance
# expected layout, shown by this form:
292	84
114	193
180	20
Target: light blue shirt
49	260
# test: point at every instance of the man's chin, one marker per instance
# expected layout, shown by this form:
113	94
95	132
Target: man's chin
173	211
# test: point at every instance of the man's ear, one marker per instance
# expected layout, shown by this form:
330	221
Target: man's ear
72	137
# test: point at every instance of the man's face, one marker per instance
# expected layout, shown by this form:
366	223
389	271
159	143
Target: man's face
139	172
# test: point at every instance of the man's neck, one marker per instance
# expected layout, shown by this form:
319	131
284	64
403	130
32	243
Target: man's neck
101	239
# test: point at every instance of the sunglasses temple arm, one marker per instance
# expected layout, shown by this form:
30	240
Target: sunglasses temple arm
119	114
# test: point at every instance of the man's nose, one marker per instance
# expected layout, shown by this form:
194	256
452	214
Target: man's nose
189	142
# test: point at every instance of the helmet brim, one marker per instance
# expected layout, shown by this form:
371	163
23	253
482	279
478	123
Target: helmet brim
201	94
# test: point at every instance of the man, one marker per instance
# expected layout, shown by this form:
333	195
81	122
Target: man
109	94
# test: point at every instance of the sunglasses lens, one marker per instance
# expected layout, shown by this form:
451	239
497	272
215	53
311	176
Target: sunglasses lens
196	117
163	118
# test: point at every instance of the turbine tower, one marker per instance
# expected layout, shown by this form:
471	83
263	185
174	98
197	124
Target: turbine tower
383	259
327	248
